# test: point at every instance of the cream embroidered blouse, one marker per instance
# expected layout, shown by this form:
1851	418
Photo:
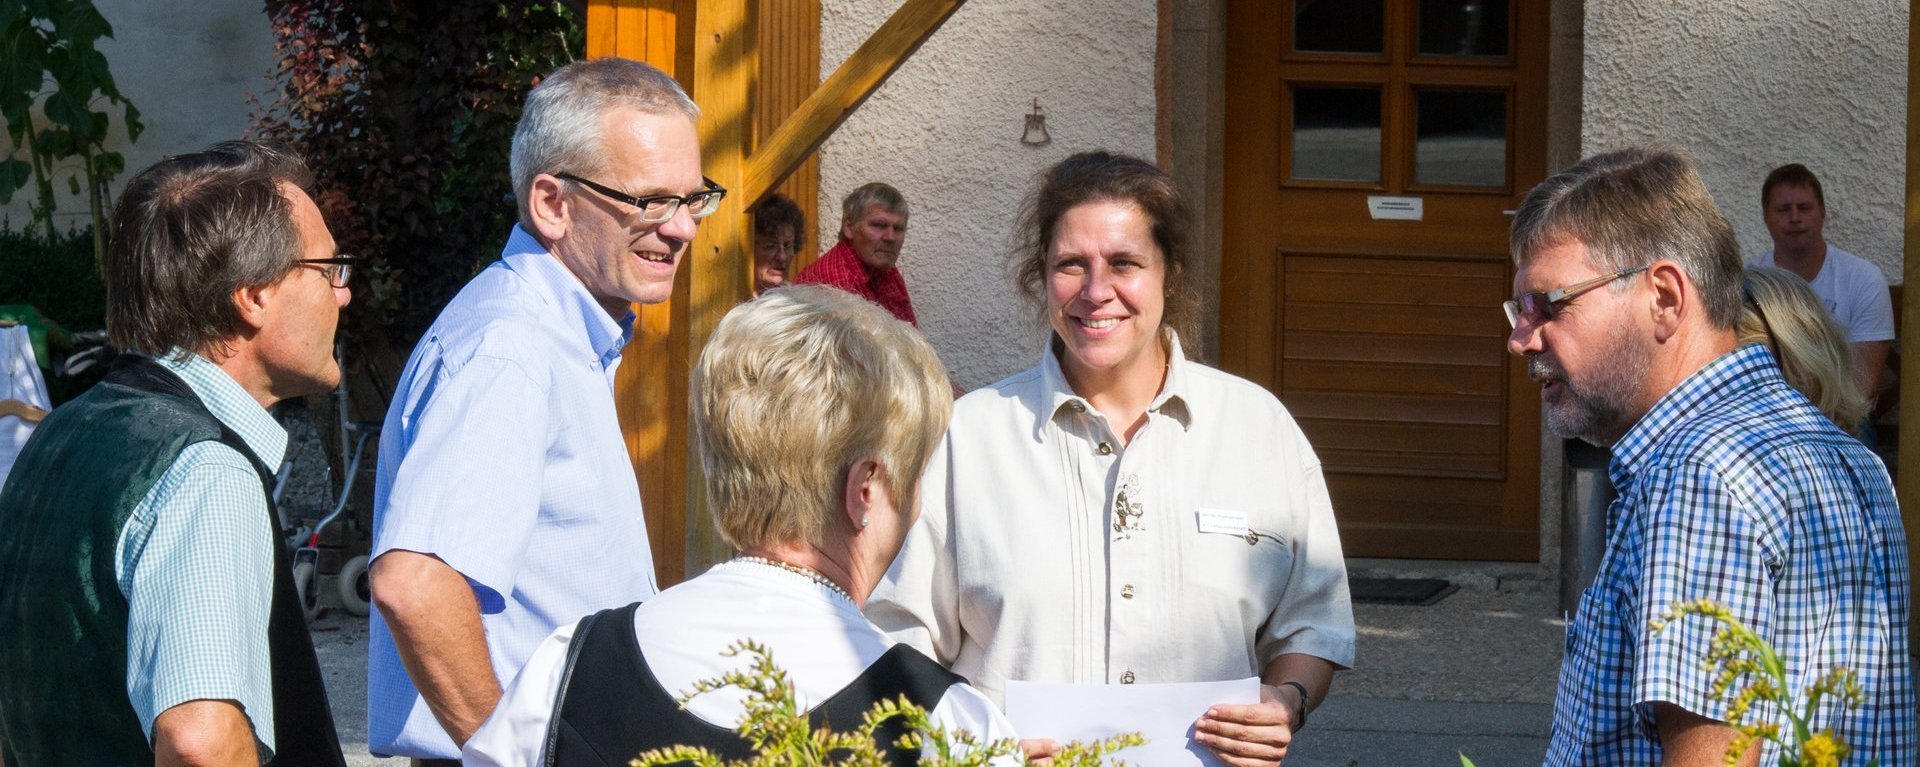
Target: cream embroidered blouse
1225	558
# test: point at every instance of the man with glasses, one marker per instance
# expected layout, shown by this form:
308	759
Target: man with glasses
778	226
1733	488
147	611
505	502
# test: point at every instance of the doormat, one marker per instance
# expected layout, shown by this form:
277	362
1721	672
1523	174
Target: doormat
1419	592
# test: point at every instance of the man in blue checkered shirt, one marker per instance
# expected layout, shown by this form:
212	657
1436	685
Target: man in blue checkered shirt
1733	487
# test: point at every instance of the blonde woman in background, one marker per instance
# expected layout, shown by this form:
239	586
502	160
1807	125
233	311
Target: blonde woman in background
1783	312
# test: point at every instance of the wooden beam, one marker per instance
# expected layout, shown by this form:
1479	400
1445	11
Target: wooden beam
1909	456
724	71
849	86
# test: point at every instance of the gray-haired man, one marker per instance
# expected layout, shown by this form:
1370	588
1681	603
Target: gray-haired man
505	503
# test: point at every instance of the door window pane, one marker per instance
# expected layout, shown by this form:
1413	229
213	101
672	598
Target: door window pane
1462	138
1463	27
1336	133
1338	26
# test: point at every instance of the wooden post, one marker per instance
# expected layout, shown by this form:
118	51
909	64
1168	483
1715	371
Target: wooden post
724	70
650	389
1909	457
712	48
849	86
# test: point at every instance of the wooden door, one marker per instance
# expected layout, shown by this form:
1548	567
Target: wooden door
1373	148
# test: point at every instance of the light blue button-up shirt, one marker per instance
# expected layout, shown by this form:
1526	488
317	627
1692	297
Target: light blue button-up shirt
502	456
195	562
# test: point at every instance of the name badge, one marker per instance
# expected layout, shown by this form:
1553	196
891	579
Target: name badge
1222	521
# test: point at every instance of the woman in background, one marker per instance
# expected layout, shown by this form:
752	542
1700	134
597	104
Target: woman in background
1119	514
1784	313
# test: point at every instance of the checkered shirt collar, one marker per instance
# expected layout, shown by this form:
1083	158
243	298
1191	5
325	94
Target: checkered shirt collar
1737	371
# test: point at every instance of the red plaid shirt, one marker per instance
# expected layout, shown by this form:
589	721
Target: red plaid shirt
841	268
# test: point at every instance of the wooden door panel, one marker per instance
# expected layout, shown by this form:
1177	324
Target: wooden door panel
1352	406
1392	379
1384	337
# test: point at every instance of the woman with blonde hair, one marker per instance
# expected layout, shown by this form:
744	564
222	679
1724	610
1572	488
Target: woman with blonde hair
1783	312
814	413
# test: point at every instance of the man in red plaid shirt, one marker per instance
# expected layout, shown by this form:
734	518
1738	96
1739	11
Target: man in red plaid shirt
873	224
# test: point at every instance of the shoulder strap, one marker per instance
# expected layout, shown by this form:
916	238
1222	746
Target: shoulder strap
566	678
901	672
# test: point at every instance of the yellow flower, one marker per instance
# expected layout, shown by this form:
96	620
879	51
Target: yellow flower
1821	751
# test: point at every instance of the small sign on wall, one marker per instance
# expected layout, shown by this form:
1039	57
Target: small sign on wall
1385	208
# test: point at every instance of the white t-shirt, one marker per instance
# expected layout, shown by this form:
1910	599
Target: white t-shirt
1855	293
816	635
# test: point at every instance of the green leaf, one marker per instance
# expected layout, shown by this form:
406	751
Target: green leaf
55	142
14	175
132	118
1464	761
83	24
67	109
107	165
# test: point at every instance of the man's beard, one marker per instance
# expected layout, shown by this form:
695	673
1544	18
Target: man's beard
1595	410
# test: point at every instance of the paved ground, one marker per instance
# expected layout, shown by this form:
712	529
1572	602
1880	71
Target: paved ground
1473	673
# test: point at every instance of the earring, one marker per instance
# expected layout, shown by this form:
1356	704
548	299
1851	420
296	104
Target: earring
863	521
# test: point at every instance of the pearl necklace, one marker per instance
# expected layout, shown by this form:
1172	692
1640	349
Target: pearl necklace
805	572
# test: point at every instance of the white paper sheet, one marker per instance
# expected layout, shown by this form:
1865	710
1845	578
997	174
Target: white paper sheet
1164	713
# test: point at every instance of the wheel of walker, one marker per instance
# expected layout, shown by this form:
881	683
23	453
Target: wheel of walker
355	593
306	585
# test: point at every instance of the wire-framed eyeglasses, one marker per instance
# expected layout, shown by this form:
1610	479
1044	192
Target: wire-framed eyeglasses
657	208
338	269
1533	309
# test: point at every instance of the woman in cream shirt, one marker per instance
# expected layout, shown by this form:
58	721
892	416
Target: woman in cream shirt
1119	514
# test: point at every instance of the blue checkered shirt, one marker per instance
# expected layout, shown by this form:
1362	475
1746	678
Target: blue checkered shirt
1734	488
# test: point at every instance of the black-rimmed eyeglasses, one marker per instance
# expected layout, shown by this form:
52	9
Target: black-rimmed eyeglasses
660	207
338	269
1533	309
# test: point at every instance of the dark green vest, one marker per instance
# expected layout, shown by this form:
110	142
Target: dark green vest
63	620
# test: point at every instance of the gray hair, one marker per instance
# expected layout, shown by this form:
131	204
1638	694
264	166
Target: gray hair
868	195
559	129
1631	208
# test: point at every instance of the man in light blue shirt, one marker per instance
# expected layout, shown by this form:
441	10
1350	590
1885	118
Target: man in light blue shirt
147	610
506	504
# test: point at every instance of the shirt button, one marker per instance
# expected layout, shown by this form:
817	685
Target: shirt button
1106	448
1127	677
1126	592
1078	406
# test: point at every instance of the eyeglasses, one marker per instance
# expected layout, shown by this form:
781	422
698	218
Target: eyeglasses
339	269
660	207
1537	308
774	246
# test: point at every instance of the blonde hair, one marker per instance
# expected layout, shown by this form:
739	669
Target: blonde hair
1783	312
793	389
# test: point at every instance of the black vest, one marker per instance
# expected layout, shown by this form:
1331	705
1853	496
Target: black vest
614	708
63	620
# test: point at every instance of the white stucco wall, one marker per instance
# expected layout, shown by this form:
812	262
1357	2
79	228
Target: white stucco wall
189	68
946	131
1754	84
